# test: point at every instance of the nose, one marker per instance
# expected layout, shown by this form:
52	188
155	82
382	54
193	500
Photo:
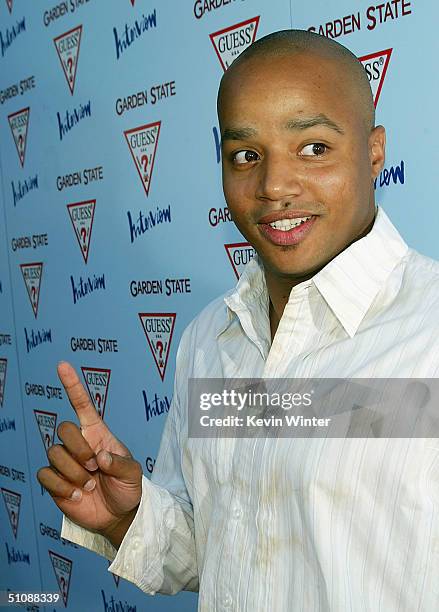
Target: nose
279	178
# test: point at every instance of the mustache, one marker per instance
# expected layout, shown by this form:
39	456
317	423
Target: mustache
294	206
290	209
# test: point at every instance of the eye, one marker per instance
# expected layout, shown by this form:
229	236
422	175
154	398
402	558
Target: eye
244	157
314	149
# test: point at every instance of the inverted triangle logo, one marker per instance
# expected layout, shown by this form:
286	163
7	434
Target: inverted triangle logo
3	366
19	123
142	142
81	216
232	41
32	273
46	422
9	5
158	328
97	381
376	65
239	254
63	570
67	46
12	502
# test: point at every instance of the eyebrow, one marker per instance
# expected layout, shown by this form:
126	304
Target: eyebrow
238	134
293	124
309	122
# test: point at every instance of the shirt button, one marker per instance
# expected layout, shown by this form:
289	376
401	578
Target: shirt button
127	569
237	513
135	544
227	601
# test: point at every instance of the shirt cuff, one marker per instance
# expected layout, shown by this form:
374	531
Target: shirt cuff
139	558
88	539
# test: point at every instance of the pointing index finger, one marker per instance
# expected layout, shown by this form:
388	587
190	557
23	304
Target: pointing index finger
78	396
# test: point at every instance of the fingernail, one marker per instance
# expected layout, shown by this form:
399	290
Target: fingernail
91	464
90	485
76	495
106	458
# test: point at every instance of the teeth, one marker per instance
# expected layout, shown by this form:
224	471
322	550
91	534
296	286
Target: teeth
288	224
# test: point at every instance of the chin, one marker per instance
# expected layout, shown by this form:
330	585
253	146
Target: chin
291	271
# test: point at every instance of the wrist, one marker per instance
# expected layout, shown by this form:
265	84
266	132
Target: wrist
116	533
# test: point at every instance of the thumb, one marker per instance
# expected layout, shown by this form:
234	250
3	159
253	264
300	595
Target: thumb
126	469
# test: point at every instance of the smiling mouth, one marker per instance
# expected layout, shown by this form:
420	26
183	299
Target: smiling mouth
284	232
285	225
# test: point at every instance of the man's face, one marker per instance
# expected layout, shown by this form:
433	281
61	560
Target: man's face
296	150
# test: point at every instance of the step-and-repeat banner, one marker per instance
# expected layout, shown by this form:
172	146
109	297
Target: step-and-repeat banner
114	232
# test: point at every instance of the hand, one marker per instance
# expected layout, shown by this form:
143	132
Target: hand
92	478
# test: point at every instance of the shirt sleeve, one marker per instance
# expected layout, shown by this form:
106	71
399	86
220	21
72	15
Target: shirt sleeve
158	551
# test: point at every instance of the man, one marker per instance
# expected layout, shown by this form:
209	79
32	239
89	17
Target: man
264	524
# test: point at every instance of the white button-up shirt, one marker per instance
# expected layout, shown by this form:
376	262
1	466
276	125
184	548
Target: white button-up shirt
282	525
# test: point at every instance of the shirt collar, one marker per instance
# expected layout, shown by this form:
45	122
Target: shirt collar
247	294
348	283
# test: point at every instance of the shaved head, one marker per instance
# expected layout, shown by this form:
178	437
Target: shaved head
301	42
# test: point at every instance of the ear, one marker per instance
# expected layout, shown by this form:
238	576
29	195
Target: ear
377	150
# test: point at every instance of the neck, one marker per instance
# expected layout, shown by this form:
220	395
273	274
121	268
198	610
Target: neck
279	289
